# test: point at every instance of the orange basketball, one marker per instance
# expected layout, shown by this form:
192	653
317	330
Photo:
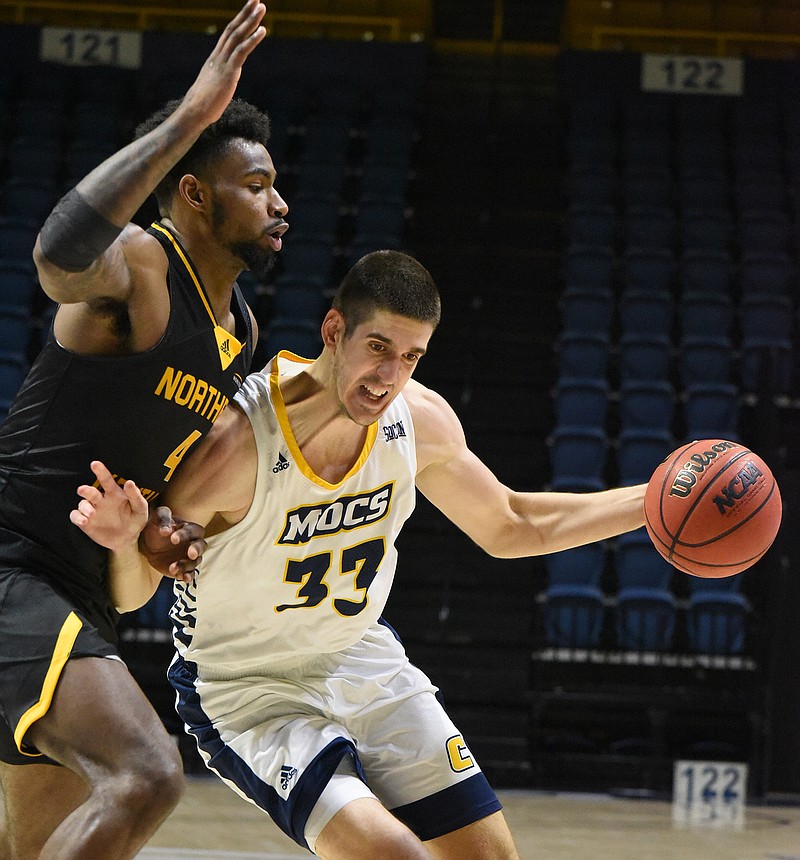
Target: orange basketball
712	508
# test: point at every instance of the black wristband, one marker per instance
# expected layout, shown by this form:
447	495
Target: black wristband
74	234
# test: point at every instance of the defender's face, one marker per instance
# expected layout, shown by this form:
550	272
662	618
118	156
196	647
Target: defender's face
248	213
374	361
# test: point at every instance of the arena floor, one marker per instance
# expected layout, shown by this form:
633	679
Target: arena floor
212	823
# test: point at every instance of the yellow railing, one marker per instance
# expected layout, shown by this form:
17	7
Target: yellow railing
717	43
138	17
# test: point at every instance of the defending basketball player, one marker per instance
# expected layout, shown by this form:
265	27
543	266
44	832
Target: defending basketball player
299	695
134	366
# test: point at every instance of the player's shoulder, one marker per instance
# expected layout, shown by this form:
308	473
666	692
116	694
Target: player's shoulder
142	247
430	411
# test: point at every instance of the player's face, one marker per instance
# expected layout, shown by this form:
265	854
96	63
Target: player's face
248	213
375	360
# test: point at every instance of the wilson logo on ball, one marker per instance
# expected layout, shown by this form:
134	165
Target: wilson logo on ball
687	477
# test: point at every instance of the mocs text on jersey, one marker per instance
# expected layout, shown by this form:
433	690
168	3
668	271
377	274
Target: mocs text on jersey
342	514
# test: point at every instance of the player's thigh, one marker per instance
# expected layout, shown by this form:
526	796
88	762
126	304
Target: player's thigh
38	798
363	830
100	720
487	839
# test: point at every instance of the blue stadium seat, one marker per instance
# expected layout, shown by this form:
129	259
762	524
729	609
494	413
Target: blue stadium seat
17	283
759	230
698	187
706	227
644	356
583	355
589	267
650	226
326	139
28	198
646	405
645	183
646	609
638	454
380	217
766	272
647	269
384	183
15	329
587	310
705	271
645	312
312	258
580	402
17	237
298	336
760	190
711	410
13	369
578	458
315	219
718	616
33	157
574	605
767	346
297	298
705	358
704	314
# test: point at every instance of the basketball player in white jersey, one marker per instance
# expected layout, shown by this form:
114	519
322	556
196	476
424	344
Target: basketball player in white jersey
300	698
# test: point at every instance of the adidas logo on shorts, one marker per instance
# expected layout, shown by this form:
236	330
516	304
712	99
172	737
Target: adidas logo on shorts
288	773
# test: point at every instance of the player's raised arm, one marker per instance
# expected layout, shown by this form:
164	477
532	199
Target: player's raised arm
78	253
504	522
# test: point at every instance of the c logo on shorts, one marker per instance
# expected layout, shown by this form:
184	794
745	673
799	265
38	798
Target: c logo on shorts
459	754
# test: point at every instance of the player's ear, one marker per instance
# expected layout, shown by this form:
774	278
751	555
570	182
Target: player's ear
333	328
192	191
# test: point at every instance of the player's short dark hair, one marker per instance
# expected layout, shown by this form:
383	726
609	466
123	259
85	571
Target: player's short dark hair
391	281
239	120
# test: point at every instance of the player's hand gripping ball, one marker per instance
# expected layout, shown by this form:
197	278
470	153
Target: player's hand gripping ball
712	508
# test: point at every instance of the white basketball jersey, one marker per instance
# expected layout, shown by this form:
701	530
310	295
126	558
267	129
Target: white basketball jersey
310	566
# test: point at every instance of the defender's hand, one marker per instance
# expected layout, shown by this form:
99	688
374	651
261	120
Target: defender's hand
110	515
216	83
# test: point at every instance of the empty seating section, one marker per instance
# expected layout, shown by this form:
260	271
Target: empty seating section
679	312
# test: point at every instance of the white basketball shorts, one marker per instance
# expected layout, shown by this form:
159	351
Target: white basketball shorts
278	739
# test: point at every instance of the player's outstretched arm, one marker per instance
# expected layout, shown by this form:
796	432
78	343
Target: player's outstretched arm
143	546
502	521
78	252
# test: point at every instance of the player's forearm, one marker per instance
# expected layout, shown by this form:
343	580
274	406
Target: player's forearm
118	187
131	580
88	219
550	522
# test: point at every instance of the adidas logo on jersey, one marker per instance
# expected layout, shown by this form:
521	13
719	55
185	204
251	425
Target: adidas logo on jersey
225	347
288	773
282	464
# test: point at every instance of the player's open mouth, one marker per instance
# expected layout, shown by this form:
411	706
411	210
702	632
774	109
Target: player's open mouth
372	394
275	236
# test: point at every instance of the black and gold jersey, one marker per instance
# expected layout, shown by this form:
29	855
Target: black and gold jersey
140	414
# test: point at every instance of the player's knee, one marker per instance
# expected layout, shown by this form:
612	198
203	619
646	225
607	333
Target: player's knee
387	838
153	783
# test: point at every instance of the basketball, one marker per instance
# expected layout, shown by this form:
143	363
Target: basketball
712	508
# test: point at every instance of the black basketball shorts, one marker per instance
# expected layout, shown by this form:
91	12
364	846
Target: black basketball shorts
39	631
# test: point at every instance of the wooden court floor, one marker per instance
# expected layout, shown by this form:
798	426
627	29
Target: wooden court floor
212	823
